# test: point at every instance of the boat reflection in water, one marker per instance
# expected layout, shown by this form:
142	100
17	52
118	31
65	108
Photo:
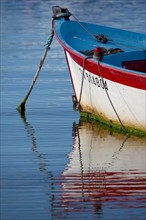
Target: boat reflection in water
104	174
104	170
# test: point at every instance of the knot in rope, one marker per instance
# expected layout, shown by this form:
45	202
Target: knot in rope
101	38
49	40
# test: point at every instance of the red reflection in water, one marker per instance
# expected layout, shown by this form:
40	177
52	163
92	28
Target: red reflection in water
108	186
80	193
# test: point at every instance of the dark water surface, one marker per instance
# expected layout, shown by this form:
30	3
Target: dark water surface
52	165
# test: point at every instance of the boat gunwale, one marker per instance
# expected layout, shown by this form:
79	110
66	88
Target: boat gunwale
74	51
138	76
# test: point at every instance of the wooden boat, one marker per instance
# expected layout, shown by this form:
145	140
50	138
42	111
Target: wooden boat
108	70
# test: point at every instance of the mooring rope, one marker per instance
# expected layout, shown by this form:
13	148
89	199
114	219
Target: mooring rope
21	107
130	110
80	96
84	62
100	73
110	99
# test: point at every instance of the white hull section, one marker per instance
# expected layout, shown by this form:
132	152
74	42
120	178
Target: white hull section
128	102
97	150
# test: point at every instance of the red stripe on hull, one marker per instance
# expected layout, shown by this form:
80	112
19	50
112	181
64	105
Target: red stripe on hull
119	76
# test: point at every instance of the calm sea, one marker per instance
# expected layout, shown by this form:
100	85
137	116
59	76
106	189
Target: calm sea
52	165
